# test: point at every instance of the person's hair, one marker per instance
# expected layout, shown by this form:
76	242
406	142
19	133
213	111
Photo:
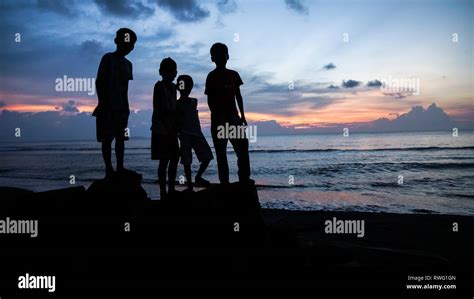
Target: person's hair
219	48
121	34
168	64
188	82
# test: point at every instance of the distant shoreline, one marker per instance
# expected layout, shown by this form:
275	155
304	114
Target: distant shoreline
19	140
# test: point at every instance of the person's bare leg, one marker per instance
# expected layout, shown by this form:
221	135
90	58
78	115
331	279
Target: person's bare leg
172	169
162	177
202	168
220	146
107	156
241	148
199	179
119	153
187	173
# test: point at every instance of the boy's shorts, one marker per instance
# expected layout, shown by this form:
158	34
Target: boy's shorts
198	144
164	146
111	126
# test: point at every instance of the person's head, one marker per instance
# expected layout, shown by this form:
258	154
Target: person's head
168	69
185	85
125	40
219	54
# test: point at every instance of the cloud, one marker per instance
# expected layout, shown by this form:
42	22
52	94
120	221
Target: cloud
316	103
417	119
333	87
50	125
163	34
2	104
226	6
56	125
350	83
397	95
184	10
92	47
374	83
279	99
59	7
271	127
329	66
133	8
32	71
297	6
70	106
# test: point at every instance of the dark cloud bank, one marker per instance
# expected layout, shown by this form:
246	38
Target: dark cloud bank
68	124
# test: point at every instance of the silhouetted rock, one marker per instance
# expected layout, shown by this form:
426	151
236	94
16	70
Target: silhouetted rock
11	198
232	199
66	194
26	203
123	185
121	195
14	193
218	216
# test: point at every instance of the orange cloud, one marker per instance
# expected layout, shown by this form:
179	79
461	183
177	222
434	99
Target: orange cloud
43	108
40	103
29	108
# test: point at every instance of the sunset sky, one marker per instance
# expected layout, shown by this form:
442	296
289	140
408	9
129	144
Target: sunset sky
272	44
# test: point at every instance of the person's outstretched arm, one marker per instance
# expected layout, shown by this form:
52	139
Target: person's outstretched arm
240	103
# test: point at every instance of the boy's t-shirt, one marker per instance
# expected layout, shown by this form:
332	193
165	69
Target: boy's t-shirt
164	109
112	84
188	117
221	84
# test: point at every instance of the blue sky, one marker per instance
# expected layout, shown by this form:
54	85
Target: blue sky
278	42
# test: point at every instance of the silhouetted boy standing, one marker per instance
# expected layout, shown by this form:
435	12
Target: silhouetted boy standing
222	90
190	134
164	136
113	110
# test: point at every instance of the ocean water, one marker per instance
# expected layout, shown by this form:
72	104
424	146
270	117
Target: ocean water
361	172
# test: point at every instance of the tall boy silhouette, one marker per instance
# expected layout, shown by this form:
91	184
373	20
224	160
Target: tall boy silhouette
112	110
222	90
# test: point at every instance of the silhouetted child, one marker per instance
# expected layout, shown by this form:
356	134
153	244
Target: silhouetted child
164	137
112	110
222	90
190	134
